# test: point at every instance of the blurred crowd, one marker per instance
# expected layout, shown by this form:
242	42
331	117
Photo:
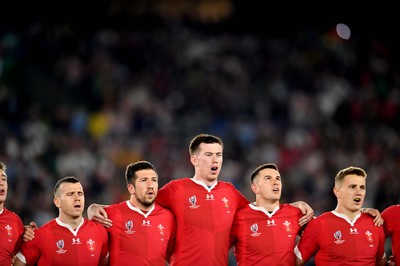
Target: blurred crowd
87	103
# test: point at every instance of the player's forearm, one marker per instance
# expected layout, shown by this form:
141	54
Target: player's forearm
91	210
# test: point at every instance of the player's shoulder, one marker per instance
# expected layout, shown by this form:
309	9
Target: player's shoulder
287	207
226	184
392	209
160	210
48	227
248	207
11	214
118	205
323	217
177	182
92	225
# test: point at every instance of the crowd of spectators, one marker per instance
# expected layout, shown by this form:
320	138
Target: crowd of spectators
87	103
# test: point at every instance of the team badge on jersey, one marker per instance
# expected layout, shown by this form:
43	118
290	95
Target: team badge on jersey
193	201
226	204
254	230
9	231
162	232
91	245
338	236
369	236
60	245
287	226
129	226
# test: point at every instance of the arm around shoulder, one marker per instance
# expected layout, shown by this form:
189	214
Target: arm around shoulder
306	210
97	213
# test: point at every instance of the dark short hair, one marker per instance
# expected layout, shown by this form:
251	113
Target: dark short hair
131	169
67	179
203	138
351	170
262	167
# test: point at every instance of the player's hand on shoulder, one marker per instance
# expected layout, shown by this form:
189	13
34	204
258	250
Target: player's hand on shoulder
98	214
306	210
378	220
29	231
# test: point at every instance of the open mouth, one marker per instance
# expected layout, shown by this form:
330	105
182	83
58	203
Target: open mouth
357	200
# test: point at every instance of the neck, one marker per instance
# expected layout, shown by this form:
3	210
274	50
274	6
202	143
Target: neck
73	222
137	204
208	182
349	213
268	205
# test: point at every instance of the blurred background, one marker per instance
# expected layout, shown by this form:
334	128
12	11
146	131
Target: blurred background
87	88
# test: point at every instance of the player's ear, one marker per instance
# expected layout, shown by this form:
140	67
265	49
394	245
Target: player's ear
254	188
336	191
131	188
57	202
193	160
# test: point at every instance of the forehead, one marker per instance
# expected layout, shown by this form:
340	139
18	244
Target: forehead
269	172
68	187
354	179
210	147
146	173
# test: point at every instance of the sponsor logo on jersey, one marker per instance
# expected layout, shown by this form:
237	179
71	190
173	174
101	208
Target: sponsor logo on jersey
353	231
209	197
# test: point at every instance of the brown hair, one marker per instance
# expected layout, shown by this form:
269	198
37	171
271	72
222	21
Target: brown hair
203	138
67	179
131	169
262	167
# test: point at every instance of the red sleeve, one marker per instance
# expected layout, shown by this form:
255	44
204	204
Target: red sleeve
20	227
389	216
166	194
171	242
31	249
104	237
241	200
307	245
